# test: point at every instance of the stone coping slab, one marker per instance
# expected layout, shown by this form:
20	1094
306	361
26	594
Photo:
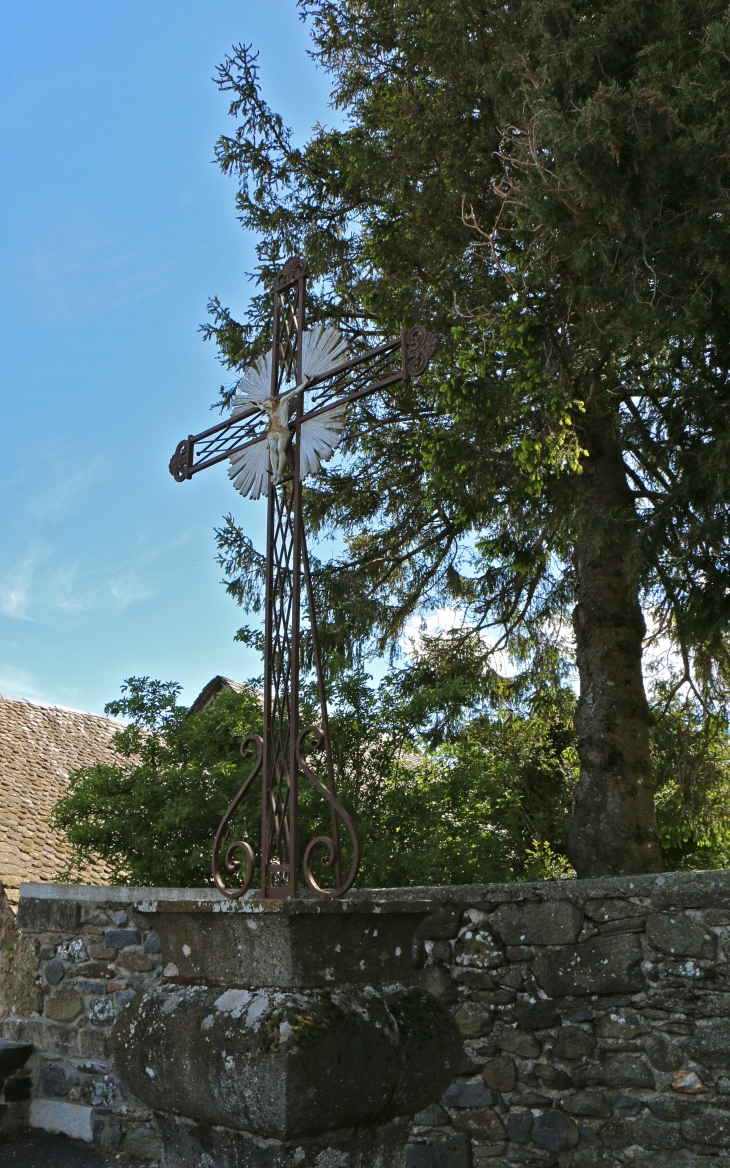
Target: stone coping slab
209	900
690	889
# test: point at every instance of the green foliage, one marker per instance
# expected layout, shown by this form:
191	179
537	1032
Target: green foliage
446	785
691	749
153	815
473	808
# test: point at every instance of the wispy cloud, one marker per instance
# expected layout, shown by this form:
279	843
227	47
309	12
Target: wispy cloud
16	584
38	585
86	276
17	682
59	493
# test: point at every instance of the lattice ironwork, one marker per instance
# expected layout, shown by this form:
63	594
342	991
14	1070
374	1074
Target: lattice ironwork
281	753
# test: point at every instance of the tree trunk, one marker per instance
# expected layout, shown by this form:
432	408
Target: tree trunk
614	830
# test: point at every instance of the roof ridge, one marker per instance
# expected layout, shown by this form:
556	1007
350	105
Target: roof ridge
65	709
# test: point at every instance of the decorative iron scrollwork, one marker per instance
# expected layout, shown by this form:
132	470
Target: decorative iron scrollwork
419	346
179	462
230	863
294	268
332	853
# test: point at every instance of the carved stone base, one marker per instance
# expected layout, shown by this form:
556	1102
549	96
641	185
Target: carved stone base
186	1143
286	1065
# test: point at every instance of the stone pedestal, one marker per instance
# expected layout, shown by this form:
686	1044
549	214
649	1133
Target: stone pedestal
286	1034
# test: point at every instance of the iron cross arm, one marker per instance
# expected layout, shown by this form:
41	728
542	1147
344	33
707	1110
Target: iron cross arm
376	369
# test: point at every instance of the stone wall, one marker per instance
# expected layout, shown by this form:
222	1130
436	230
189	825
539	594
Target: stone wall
7	946
595	1016
596	1020
81	954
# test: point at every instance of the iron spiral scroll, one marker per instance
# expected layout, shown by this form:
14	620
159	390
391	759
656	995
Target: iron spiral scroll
230	863
332	856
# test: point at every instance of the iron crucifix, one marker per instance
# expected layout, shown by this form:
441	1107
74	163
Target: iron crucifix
288	416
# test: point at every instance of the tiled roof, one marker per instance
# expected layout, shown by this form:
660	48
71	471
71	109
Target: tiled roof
39	746
219	684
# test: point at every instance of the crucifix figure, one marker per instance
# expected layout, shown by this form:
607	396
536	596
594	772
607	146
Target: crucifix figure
288	416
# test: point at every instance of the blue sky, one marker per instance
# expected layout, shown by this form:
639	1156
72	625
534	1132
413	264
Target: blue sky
115	228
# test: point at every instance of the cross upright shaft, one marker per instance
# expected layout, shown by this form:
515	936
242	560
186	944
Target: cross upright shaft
280	752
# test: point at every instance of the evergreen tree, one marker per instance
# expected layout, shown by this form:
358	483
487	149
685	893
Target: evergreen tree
544	184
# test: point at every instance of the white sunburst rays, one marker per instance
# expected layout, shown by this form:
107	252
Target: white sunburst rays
323	348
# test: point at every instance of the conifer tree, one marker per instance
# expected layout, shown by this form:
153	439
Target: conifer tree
544	184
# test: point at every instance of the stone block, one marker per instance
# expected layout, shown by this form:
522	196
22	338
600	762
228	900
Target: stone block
554	1131
554	922
519	1042
604	910
120	938
621	1024
454	1152
644	1131
64	1005
488	1155
588	1103
572	1042
678	1159
474	1019
101	1011
711	1045
39	915
671	1108
679	936
152	944
467	1095
551	1076
478	949
69	1041
88	985
441	925
540	1015
603	965
68	1119
54	972
135	962
53	1079
25	996
626	1070
519	1126
293	944
500	1074
91	969
481	1124
662	1054
709	1128
13	1056
682	890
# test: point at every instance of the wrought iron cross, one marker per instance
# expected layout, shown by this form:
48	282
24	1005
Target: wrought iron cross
286	420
